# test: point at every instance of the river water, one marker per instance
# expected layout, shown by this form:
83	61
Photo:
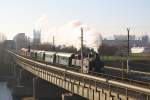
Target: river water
5	92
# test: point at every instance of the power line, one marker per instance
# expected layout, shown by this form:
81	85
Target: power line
53	43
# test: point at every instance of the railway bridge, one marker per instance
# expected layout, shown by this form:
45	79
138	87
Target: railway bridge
91	87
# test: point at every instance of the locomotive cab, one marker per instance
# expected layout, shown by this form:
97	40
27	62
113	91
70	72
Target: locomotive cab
92	64
86	64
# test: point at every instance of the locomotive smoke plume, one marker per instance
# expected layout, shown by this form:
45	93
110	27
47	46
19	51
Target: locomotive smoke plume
43	24
69	34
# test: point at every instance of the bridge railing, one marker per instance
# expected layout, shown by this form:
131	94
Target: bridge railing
122	79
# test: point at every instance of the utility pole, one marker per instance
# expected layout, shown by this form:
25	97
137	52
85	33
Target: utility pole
128	31
81	49
53	43
16	45
28	41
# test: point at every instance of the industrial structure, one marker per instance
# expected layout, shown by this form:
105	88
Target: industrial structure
21	41
122	40
36	37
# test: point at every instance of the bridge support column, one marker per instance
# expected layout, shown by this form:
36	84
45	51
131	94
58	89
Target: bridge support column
70	96
19	78
17	73
44	90
34	87
23	83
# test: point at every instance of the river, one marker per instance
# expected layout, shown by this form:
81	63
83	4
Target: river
5	92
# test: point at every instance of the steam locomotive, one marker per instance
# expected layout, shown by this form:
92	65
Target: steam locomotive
90	64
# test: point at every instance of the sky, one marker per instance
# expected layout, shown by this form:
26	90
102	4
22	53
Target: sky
106	17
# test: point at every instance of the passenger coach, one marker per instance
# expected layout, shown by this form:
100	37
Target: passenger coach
64	58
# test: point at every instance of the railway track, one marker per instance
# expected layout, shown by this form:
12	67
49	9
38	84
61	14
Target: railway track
108	75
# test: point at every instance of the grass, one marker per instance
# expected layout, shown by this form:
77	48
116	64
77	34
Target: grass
124	58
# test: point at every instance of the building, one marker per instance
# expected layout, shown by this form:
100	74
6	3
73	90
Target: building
36	37
21	41
120	40
145	40
140	50
2	37
124	37
9	44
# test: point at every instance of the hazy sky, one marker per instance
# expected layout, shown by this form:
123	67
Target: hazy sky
105	16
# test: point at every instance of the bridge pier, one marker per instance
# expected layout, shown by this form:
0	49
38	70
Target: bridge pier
22	86
44	90
70	96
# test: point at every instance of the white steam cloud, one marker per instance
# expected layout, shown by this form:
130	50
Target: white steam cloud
43	24
69	34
